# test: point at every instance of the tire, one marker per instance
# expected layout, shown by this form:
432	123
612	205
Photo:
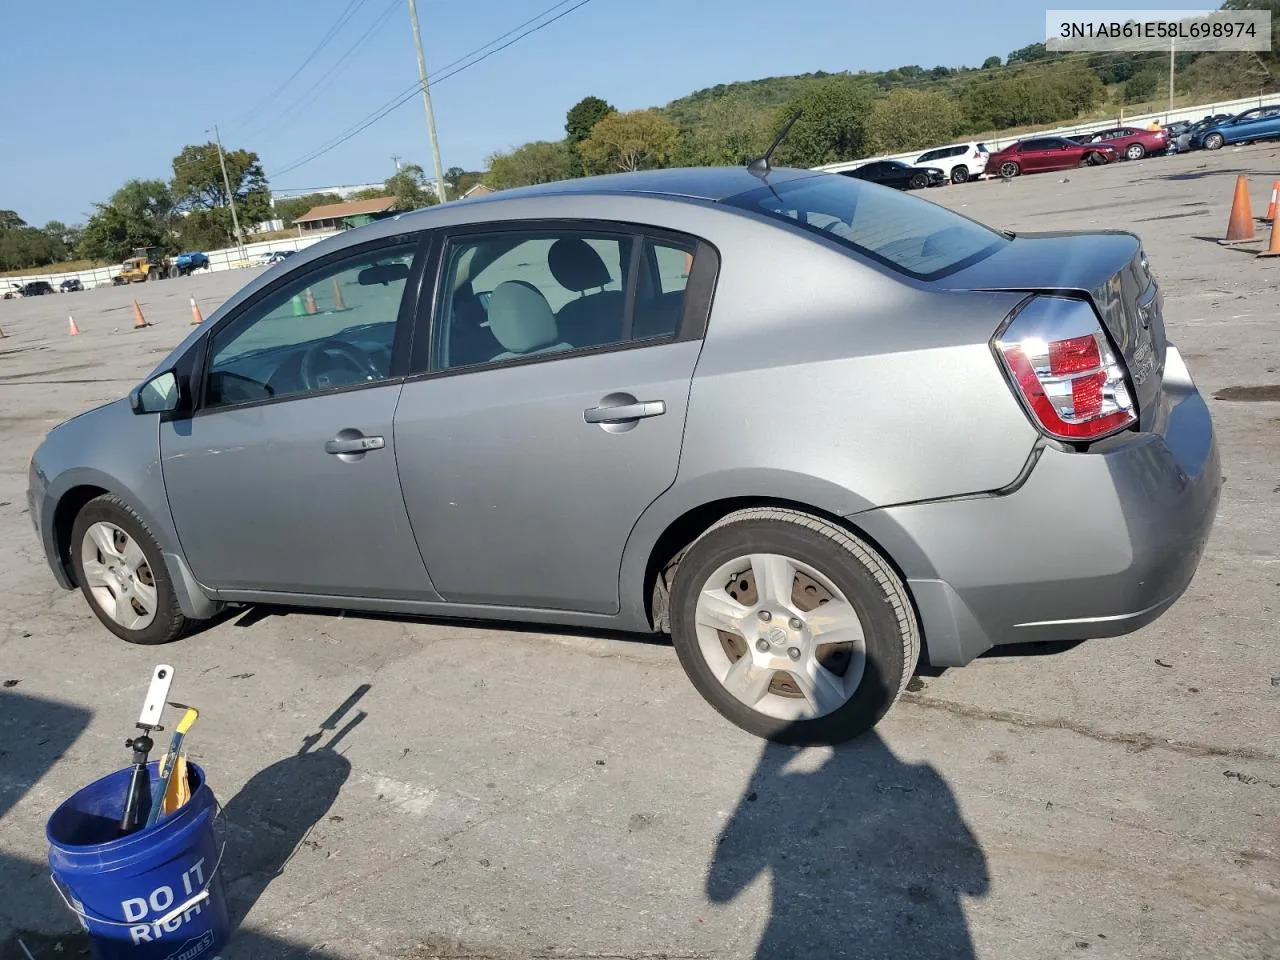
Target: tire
109	513
1135	151
960	173
1214	141
1094	159
174	271
919	181
1009	169
880	621
153	274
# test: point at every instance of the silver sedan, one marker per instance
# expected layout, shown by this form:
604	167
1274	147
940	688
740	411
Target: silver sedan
815	429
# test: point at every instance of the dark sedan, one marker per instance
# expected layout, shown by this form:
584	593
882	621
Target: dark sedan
896	174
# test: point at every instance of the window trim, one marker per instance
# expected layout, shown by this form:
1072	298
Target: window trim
420	241
694	316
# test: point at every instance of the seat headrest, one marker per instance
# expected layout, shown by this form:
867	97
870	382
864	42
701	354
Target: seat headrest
520	318
576	266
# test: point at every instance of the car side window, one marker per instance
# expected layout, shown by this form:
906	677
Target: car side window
333	326
512	295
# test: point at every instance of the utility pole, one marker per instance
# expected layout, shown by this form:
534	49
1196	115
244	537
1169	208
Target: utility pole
426	101
396	161
231	196
1170	78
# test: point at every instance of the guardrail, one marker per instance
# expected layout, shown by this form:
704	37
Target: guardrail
1138	120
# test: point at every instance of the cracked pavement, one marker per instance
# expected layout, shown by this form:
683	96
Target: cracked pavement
515	793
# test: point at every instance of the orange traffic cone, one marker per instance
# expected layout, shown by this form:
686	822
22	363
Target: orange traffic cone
1273	249
1275	195
72	329
196	319
338	303
309	301
139	321
1240	225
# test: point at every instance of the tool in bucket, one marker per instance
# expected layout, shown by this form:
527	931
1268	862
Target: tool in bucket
138	798
174	789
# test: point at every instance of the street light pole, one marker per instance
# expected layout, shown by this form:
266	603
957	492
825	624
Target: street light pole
231	195
426	101
1171	62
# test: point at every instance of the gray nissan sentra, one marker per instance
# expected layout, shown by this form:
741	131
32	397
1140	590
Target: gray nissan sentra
814	428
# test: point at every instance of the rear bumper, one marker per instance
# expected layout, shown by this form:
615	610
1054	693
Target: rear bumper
1092	544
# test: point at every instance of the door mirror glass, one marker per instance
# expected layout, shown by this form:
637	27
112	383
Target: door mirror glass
157	395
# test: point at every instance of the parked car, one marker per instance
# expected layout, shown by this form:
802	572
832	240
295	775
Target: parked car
1132	143
71	285
270	258
814	429
1186	140
1045	154
896	174
36	288
14	292
1260	123
958	163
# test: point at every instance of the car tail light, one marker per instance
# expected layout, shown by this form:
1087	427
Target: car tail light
1063	369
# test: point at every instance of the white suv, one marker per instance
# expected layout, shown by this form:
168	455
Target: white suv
961	162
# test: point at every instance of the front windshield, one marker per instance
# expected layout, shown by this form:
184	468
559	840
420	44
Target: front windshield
907	234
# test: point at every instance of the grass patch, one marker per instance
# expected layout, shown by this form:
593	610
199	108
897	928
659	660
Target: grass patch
71	266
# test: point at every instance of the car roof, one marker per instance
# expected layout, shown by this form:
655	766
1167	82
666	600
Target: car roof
697	183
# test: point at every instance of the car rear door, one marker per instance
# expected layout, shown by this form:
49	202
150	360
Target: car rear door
284	479
526	463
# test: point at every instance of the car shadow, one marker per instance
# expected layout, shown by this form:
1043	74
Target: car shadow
867	855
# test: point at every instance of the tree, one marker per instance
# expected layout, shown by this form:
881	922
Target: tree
409	186
452	176
831	125
1141	86
991	63
198	185
1032	51
730	130
139	214
9	220
538	162
583	116
640	140
907	119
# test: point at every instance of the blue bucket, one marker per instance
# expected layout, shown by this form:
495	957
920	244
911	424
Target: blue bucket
152	895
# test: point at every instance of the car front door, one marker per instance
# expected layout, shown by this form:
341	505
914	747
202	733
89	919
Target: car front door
284	478
550	411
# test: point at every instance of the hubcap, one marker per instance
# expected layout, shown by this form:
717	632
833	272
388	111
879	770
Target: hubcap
118	576
780	637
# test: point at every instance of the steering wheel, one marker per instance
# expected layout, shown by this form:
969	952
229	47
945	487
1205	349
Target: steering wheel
316	377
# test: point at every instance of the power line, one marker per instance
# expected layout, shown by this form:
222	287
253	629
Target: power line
343	19
409	93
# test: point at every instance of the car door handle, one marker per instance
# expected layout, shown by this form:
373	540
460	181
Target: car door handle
626	411
353	444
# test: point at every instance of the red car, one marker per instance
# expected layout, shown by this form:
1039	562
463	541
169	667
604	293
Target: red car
1043	154
1132	143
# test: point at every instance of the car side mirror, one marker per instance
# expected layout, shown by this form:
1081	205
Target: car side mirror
163	393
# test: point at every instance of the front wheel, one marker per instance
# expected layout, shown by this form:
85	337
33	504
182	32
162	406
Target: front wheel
919	181
793	629
1009	170
118	565
1214	141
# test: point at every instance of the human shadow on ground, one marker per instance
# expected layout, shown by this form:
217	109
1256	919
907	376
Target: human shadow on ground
868	857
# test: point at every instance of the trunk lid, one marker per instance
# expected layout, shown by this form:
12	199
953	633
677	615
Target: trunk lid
1107	267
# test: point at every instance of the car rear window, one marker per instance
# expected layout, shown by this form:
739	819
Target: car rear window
907	234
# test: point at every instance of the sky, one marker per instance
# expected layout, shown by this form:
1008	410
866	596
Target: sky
98	96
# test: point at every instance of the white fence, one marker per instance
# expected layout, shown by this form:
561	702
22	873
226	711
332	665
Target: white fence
1138	120
228	258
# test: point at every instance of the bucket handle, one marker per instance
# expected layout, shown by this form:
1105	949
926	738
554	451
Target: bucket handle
198	897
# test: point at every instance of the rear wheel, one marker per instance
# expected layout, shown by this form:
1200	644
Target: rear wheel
154	274
793	629
1135	151
1009	169
120	570
174	271
959	174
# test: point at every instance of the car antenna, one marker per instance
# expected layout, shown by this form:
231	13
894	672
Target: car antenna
759	167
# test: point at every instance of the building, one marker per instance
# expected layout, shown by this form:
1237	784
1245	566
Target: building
343	216
479	190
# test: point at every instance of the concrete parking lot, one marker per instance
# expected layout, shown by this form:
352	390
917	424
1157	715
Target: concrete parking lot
510	793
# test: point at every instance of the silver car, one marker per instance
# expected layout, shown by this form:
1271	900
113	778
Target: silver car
814	428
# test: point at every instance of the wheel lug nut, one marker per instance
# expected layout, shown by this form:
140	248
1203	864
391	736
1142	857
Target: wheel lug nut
762	645
766	616
796	624
793	653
